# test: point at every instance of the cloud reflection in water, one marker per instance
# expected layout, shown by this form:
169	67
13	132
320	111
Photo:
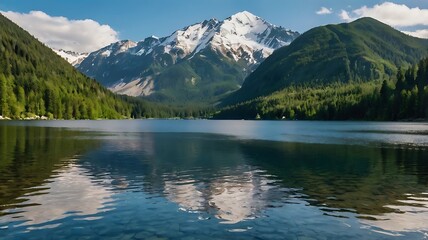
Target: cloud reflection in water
232	198
71	192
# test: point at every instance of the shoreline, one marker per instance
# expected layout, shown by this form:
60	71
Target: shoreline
43	118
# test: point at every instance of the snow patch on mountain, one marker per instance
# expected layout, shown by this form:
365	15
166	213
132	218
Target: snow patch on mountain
118	47
189	38
241	35
244	38
73	58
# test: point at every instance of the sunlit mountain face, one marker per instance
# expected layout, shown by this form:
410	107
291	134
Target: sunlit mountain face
200	62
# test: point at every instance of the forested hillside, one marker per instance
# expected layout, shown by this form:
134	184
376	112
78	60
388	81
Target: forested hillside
36	81
404	96
351	53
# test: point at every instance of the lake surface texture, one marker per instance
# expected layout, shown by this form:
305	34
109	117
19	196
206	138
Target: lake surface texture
166	179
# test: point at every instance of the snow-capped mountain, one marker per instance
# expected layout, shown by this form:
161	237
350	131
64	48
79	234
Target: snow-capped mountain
206	59
73	58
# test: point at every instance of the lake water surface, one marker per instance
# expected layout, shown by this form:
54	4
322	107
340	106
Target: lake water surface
174	179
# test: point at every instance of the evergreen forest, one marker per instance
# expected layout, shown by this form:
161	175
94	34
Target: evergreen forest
404	96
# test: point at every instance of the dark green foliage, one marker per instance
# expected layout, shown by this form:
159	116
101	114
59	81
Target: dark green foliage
205	78
361	51
330	102
36	81
143	109
404	96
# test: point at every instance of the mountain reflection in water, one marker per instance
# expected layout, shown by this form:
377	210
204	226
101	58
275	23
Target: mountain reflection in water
70	191
195	183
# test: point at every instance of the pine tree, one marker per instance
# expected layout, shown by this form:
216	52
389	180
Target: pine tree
4	110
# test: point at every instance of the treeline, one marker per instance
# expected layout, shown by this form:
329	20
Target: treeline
407	97
403	97
336	101
22	97
144	109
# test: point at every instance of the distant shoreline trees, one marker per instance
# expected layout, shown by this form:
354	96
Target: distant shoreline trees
403	97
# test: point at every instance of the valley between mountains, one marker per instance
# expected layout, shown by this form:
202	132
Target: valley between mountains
242	67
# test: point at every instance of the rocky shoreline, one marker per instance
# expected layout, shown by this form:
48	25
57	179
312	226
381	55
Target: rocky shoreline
36	117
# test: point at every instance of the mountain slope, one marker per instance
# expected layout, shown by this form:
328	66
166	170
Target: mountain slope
36	81
363	50
74	58
404	96
202	61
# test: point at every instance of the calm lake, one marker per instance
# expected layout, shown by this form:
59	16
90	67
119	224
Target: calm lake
176	179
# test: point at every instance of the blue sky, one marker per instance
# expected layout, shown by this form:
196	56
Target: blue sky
137	19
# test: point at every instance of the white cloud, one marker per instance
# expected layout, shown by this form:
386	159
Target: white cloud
324	11
422	33
344	15
397	15
61	33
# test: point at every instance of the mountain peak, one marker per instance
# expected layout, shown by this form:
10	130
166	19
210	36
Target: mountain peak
118	47
243	14
368	19
195	53
212	21
126	43
244	17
